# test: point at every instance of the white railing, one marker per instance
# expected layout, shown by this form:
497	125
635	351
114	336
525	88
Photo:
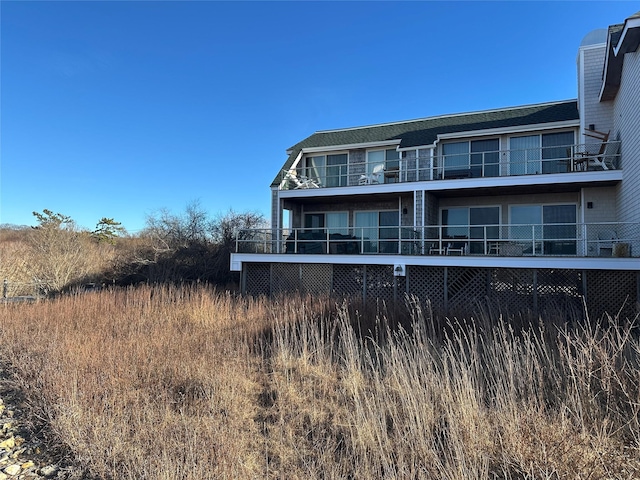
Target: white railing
500	163
551	239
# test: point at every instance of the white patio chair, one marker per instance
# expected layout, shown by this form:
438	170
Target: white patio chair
606	239
372	178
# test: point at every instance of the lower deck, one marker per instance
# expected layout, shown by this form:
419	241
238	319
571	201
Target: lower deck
454	289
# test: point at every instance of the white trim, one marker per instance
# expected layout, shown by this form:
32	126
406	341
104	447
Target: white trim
533	128
605	69
431	146
351	146
629	23
581	100
559	262
296	161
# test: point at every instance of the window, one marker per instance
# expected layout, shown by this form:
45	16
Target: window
334	222
478	158
479	224
547	229
546	153
327	170
387	161
380	231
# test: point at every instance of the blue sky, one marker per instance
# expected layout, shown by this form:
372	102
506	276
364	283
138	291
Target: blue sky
120	109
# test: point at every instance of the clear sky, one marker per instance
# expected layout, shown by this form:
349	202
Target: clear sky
119	109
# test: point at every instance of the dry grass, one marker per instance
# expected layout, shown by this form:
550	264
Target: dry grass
190	383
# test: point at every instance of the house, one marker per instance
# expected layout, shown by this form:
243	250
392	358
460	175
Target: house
526	207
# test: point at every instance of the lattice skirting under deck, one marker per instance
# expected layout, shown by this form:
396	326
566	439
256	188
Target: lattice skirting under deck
457	290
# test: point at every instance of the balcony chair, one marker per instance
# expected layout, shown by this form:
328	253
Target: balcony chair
606	240
604	158
372	178
437	248
300	182
457	248
392	174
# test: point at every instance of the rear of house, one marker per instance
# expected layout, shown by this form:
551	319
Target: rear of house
525	207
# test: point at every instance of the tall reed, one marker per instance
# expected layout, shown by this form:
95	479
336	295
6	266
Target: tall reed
193	383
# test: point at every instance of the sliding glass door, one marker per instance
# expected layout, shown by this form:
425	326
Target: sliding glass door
475	226
545	229
328	170
379	231
478	158
546	153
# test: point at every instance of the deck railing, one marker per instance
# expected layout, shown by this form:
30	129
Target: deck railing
549	239
499	163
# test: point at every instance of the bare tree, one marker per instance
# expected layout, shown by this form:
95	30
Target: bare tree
226	226
192	246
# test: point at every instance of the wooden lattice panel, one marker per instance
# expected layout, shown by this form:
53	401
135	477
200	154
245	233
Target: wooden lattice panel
380	282
511	291
466	287
317	278
559	293
401	288
610	291
427	284
257	278
285	278
348	281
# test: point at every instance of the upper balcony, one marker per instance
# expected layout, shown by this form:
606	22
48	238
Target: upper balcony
343	171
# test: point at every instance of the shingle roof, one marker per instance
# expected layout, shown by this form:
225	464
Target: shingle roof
415	133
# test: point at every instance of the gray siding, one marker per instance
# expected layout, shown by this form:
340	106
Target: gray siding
603	204
600	114
357	159
627	116
275	208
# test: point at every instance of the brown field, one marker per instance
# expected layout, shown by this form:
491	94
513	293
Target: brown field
194	383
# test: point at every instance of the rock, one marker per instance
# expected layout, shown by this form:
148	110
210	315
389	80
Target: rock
48	471
8	444
27	464
12	470
3	476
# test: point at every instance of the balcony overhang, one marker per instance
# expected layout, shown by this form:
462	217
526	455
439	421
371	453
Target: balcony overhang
556	262
493	185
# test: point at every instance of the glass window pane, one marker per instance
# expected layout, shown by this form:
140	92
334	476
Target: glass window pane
530	217
560	225
455	216
316	169
337	170
524	155
366	227
455	155
391	220
338	222
375	161
488	217
314	221
392	159
485	158
556	152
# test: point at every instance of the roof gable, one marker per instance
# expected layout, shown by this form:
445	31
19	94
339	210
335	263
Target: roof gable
416	133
